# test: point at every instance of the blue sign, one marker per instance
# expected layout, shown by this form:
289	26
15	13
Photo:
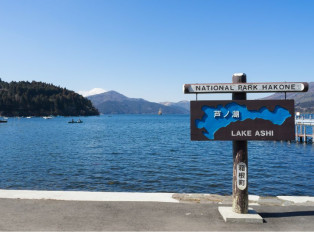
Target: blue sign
242	120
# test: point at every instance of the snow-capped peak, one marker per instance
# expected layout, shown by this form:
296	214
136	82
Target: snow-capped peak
91	92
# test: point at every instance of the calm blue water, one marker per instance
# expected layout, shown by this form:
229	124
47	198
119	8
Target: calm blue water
141	153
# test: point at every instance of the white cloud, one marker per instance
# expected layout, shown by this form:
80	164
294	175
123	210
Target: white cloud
92	92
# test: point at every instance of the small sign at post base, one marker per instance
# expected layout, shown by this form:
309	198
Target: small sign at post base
241	176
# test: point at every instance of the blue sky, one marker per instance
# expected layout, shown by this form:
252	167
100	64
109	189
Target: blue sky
150	48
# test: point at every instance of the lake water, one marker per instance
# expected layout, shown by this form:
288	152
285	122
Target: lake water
142	153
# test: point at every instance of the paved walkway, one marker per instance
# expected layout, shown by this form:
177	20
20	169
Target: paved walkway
47	211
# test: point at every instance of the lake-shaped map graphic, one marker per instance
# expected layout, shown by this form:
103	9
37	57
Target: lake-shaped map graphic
221	116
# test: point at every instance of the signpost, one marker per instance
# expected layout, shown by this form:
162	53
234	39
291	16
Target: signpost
240	197
241	120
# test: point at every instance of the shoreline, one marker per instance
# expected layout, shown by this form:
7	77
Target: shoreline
152	197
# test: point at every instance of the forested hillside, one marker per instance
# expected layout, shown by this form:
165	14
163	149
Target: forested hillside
41	99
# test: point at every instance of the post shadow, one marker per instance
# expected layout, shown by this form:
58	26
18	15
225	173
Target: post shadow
287	214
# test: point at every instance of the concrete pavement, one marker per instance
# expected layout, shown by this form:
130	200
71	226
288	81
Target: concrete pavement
39	211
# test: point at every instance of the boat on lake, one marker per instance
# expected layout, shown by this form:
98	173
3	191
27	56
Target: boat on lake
3	121
160	112
78	121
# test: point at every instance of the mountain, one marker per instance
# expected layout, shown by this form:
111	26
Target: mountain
41	99
112	102
91	92
182	104
304	101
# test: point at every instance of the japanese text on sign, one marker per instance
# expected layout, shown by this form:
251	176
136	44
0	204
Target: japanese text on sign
235	114
241	176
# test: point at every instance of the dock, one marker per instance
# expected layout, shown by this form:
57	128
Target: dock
304	129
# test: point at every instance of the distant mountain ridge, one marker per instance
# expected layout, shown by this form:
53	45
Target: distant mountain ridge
304	101
182	104
112	102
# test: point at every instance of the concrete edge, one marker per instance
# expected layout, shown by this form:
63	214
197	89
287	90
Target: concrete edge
297	199
152	197
88	196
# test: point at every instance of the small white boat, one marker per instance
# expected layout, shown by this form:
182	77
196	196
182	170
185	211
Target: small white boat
47	117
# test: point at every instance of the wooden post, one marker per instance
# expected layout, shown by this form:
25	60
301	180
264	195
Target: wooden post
240	161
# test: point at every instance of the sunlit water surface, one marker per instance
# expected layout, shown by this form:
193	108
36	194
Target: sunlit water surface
142	153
